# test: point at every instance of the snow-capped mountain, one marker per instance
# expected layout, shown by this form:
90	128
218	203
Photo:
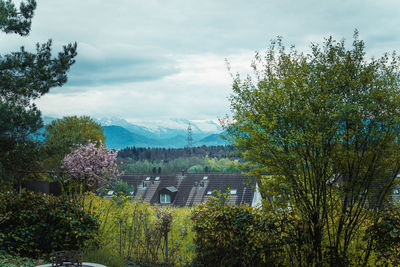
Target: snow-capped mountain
165	128
198	126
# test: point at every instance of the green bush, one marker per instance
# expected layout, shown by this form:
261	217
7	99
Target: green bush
7	260
228	235
38	224
384	238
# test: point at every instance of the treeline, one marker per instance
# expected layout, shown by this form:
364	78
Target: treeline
134	154
188	164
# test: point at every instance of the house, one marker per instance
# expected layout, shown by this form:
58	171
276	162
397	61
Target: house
188	189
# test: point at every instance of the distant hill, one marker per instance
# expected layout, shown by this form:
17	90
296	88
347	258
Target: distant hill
165	134
118	137
212	140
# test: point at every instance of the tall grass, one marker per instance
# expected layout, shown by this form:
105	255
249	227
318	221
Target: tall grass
133	230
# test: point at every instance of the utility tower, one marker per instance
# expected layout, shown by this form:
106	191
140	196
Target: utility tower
189	136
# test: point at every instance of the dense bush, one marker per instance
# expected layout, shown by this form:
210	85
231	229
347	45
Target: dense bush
384	238
37	224
228	235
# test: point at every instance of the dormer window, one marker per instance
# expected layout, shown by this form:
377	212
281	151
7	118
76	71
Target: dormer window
205	178
209	192
157	178
233	191
165	198
148	178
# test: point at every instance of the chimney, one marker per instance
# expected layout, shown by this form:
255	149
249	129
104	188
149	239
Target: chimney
154	170
206	169
159	170
183	172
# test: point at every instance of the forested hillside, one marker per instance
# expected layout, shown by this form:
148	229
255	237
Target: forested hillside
174	160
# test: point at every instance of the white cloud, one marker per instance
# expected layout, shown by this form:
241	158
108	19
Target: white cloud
165	58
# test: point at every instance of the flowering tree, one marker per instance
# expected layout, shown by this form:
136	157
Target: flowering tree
91	164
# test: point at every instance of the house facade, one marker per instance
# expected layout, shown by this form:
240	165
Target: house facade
188	189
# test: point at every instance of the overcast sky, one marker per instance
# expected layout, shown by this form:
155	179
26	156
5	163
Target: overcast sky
159	59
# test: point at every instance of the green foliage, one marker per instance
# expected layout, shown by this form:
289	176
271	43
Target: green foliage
62	135
7	260
384	237
221	165
24	77
325	129
133	230
190	164
119	187
38	224
16	21
228	235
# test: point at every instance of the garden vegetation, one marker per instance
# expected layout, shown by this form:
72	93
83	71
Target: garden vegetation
320	133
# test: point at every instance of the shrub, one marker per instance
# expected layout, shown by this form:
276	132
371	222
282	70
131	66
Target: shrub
228	235
384	238
132	230
7	260
38	224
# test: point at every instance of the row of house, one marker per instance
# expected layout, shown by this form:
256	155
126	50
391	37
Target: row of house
188	189
183	189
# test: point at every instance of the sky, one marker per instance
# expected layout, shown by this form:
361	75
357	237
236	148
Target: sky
161	59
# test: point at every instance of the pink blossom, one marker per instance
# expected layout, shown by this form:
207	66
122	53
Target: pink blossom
88	162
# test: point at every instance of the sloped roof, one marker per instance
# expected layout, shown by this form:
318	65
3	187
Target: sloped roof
192	188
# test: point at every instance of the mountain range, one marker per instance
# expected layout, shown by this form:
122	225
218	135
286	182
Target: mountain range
171	133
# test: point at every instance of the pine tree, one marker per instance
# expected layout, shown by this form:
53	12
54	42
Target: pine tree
24	77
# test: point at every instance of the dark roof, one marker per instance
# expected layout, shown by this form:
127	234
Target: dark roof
192	188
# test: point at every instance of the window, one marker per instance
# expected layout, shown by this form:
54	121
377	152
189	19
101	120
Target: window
233	191
165	198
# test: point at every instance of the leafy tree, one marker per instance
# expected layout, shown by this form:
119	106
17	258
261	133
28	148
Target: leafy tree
91	165
325	127
63	134
24	77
